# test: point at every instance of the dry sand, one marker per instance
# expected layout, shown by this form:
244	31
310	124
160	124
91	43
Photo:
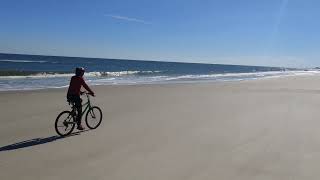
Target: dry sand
264	129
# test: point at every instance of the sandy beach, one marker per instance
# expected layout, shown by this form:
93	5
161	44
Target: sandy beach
259	129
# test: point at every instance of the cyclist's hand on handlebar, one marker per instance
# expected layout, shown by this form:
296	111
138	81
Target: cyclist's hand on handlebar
84	92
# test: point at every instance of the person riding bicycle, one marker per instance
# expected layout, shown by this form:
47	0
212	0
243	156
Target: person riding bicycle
74	92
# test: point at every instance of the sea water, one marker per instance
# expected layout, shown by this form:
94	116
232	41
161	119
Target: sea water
27	72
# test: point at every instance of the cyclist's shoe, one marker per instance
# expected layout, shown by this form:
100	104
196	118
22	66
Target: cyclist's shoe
80	127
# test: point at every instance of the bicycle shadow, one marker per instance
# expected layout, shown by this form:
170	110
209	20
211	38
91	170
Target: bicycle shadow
36	141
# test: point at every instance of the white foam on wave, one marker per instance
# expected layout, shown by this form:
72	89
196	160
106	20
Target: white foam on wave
95	78
39	75
120	73
242	76
87	74
22	61
31	88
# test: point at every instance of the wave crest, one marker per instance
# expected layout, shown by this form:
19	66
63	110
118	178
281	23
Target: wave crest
31	74
22	61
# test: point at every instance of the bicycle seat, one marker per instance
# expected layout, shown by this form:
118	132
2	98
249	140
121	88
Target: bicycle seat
71	102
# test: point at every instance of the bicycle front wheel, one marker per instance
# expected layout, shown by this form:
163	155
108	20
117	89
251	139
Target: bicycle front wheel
65	123
94	117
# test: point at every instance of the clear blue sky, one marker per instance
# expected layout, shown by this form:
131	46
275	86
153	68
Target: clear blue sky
254	32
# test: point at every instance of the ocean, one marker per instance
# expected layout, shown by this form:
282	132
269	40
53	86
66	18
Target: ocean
27	72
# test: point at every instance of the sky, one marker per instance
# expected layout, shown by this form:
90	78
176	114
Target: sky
247	32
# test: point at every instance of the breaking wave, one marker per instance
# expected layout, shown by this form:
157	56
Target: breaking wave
22	61
31	74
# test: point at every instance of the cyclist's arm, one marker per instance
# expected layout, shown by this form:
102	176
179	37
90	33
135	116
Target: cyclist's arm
84	84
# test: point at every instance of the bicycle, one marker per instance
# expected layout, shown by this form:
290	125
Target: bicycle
66	120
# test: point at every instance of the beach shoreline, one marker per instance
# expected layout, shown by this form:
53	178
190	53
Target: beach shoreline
195	82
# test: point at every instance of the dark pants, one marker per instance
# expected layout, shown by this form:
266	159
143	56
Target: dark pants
78	104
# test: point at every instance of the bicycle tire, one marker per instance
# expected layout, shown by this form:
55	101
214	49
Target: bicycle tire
97	115
69	125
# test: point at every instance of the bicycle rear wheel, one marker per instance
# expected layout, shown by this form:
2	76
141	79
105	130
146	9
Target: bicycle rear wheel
65	123
94	117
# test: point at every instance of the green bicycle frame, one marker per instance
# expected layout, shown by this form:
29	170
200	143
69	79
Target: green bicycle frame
87	104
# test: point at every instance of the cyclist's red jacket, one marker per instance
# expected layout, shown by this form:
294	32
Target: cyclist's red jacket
75	86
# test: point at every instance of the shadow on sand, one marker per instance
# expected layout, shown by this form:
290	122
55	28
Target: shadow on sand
36	141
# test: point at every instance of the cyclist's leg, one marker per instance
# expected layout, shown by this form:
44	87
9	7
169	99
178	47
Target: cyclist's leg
78	104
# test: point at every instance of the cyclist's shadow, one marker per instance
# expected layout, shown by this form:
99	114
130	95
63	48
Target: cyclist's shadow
36	141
